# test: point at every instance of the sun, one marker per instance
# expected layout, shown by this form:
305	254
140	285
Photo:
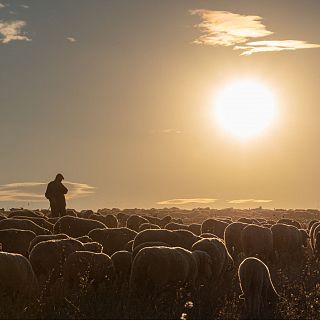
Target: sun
245	108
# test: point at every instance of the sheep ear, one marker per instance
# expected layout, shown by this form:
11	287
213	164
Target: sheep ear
241	296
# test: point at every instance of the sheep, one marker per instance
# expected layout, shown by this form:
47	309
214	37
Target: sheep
48	257
204	266
135	221
195	228
175	226
290	222
128	246
16	241
257	241
25	213
84	239
248	220
122	219
208	235
288	242
122	261
41	222
316	240
232	238
111	221
148	244
97	217
257	287
85	214
42	238
154	220
214	226
94	268
23	224
93	247
112	240
17	279
311	223
76	227
177	238
165	220
313	233
222	262
156	268
146	226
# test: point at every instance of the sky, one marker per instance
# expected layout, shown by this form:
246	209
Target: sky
118	95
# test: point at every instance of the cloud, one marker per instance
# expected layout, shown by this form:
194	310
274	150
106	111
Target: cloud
187	201
71	39
223	28
241	201
166	131
12	31
24	6
268	46
34	191
2	5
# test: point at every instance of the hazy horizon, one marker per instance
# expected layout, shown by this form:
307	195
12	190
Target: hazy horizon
119	96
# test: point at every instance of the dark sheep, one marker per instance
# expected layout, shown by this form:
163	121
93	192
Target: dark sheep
16	241
288	243
155	268
25	213
112	240
93	247
84	239
42	238
177	238
111	221
148	244
22	224
232	238
257	241
195	228
17	278
128	246
214	226
48	258
248	220
257	288
146	226
290	222
76	227
41	222
135	221
93	268
122	265
176	226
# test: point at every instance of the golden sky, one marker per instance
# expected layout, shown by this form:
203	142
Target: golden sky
120	95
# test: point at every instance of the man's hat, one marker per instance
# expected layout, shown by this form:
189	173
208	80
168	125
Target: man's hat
59	175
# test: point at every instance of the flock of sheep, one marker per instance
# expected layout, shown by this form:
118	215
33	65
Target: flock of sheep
157	264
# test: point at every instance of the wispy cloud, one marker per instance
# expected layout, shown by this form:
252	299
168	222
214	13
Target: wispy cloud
223	28
166	131
2	5
71	39
187	201
12	31
268	46
34	191
241	201
24	6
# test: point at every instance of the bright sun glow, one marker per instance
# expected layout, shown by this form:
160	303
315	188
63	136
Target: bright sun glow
245	109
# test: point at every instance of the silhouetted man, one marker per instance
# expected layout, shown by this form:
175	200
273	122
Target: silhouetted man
55	194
